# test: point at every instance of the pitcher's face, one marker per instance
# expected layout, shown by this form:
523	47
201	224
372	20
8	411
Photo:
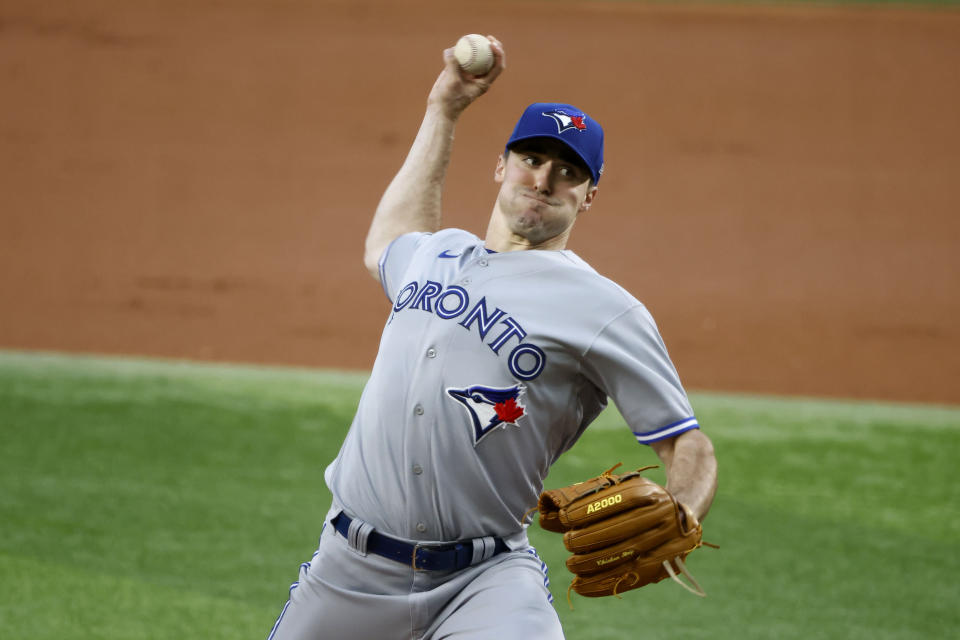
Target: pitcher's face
543	188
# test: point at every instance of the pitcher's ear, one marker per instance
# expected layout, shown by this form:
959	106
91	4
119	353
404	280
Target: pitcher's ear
501	168
588	200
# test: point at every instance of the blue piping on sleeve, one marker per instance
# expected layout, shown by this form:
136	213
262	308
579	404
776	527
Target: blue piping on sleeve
668	431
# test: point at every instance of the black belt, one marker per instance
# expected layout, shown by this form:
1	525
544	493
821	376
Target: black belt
434	557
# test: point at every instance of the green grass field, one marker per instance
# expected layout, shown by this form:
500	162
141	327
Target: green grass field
152	499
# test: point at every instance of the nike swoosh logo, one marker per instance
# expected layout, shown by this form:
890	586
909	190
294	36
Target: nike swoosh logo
446	254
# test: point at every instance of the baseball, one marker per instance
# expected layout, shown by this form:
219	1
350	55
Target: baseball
474	54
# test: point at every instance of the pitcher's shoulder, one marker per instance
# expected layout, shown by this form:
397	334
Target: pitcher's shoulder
582	274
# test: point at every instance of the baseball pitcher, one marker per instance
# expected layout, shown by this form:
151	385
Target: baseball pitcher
496	355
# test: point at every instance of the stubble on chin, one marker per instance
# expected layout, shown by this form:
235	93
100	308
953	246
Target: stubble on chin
526	217
530	226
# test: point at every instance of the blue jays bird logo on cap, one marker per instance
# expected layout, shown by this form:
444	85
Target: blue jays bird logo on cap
490	407
566	121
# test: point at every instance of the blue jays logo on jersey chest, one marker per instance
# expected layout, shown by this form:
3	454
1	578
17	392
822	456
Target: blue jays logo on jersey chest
490	407
486	407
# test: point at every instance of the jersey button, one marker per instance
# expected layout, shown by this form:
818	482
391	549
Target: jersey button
482	262
418	410
417	469
421	527
431	353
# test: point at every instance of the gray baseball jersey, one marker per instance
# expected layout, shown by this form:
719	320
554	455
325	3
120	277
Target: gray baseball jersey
490	366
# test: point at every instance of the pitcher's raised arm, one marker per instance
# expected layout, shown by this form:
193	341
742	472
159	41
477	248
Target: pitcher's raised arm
412	201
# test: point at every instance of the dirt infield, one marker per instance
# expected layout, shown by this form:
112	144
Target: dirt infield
189	180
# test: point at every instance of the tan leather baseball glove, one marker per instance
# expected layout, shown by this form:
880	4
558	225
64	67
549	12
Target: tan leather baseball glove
625	531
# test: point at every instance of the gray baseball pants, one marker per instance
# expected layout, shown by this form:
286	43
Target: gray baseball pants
343	594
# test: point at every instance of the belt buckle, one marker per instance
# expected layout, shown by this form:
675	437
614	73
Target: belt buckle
413	561
424	551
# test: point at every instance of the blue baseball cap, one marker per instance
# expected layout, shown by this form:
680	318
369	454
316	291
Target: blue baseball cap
567	124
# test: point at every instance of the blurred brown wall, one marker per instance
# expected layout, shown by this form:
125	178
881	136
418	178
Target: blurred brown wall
194	179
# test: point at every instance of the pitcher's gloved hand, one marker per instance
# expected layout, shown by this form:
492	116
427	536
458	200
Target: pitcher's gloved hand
625	531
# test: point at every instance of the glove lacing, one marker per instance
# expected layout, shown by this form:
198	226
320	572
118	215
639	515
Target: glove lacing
696	589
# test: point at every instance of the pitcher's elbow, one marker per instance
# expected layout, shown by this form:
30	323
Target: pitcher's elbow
371	260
